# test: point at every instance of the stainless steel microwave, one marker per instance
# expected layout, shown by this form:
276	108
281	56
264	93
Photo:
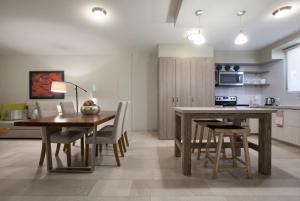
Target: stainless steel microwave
226	78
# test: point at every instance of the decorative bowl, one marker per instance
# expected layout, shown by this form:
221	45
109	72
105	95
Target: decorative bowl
227	67
236	67
218	67
89	110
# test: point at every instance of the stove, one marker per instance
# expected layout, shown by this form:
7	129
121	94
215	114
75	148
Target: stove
226	100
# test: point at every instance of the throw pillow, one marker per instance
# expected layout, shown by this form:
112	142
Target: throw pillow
8	107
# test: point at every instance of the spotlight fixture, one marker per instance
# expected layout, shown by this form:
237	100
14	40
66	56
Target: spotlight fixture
99	12
282	12
241	37
197	37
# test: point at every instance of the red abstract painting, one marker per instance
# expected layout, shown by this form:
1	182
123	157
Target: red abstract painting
40	84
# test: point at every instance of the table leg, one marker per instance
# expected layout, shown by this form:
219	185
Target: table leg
186	131
93	149
46	136
264	143
177	134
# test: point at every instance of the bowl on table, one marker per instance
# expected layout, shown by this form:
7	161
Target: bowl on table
90	110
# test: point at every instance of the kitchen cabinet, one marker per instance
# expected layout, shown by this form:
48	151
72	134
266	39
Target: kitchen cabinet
290	131
183	82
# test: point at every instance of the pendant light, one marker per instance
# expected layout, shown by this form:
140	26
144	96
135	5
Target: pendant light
197	37
241	37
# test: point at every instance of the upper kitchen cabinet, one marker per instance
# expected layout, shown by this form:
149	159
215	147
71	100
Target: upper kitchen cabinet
183	82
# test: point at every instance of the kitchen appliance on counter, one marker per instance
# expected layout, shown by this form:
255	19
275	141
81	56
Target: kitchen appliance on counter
230	78
270	101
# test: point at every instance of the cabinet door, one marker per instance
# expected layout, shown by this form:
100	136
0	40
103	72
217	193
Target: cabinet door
183	83
202	82
166	98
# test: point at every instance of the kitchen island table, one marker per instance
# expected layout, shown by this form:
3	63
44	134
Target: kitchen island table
183	131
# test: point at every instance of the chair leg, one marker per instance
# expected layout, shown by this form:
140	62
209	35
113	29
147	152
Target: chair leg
82	146
69	155
57	149
87	153
200	141
247	157
126	138
97	148
120	147
116	154
43	153
100	148
218	155
232	142
195	136
210	133
65	148
224	150
123	143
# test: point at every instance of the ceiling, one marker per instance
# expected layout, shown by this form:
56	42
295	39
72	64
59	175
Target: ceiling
66	27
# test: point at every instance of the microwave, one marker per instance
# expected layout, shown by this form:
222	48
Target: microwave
227	78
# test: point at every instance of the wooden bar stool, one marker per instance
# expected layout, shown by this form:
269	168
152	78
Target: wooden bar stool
230	131
203	123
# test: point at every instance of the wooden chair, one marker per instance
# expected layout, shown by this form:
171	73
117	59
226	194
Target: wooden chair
48	109
203	123
110	136
68	108
230	131
124	137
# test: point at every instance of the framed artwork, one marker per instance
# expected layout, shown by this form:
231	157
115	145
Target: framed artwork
40	84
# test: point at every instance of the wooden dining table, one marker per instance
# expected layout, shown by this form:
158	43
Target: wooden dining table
90	122
183	131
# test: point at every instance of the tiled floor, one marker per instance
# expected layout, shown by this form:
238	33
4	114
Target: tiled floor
149	172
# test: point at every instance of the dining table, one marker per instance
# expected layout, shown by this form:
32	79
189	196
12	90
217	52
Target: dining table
183	132
88	121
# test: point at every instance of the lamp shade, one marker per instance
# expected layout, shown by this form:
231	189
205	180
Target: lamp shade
58	87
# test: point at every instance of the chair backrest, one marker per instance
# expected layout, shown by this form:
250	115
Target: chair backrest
124	118
47	109
118	123
67	107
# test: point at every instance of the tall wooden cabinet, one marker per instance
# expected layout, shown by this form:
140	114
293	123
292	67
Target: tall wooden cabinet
183	82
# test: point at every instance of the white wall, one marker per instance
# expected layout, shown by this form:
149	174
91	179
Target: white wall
174	50
113	76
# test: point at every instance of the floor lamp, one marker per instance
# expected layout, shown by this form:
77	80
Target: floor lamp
60	87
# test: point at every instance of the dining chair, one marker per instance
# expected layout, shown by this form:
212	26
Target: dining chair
124	137
230	131
68	108
49	109
110	136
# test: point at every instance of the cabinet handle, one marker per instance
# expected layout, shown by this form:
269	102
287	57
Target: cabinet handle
173	99
192	99
176	99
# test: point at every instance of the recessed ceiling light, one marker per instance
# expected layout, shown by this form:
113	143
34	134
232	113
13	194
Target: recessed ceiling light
282	12
99	12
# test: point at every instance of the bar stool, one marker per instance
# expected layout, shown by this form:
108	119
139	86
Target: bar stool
203	123
230	131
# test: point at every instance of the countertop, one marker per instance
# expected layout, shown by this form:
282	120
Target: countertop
290	107
224	110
